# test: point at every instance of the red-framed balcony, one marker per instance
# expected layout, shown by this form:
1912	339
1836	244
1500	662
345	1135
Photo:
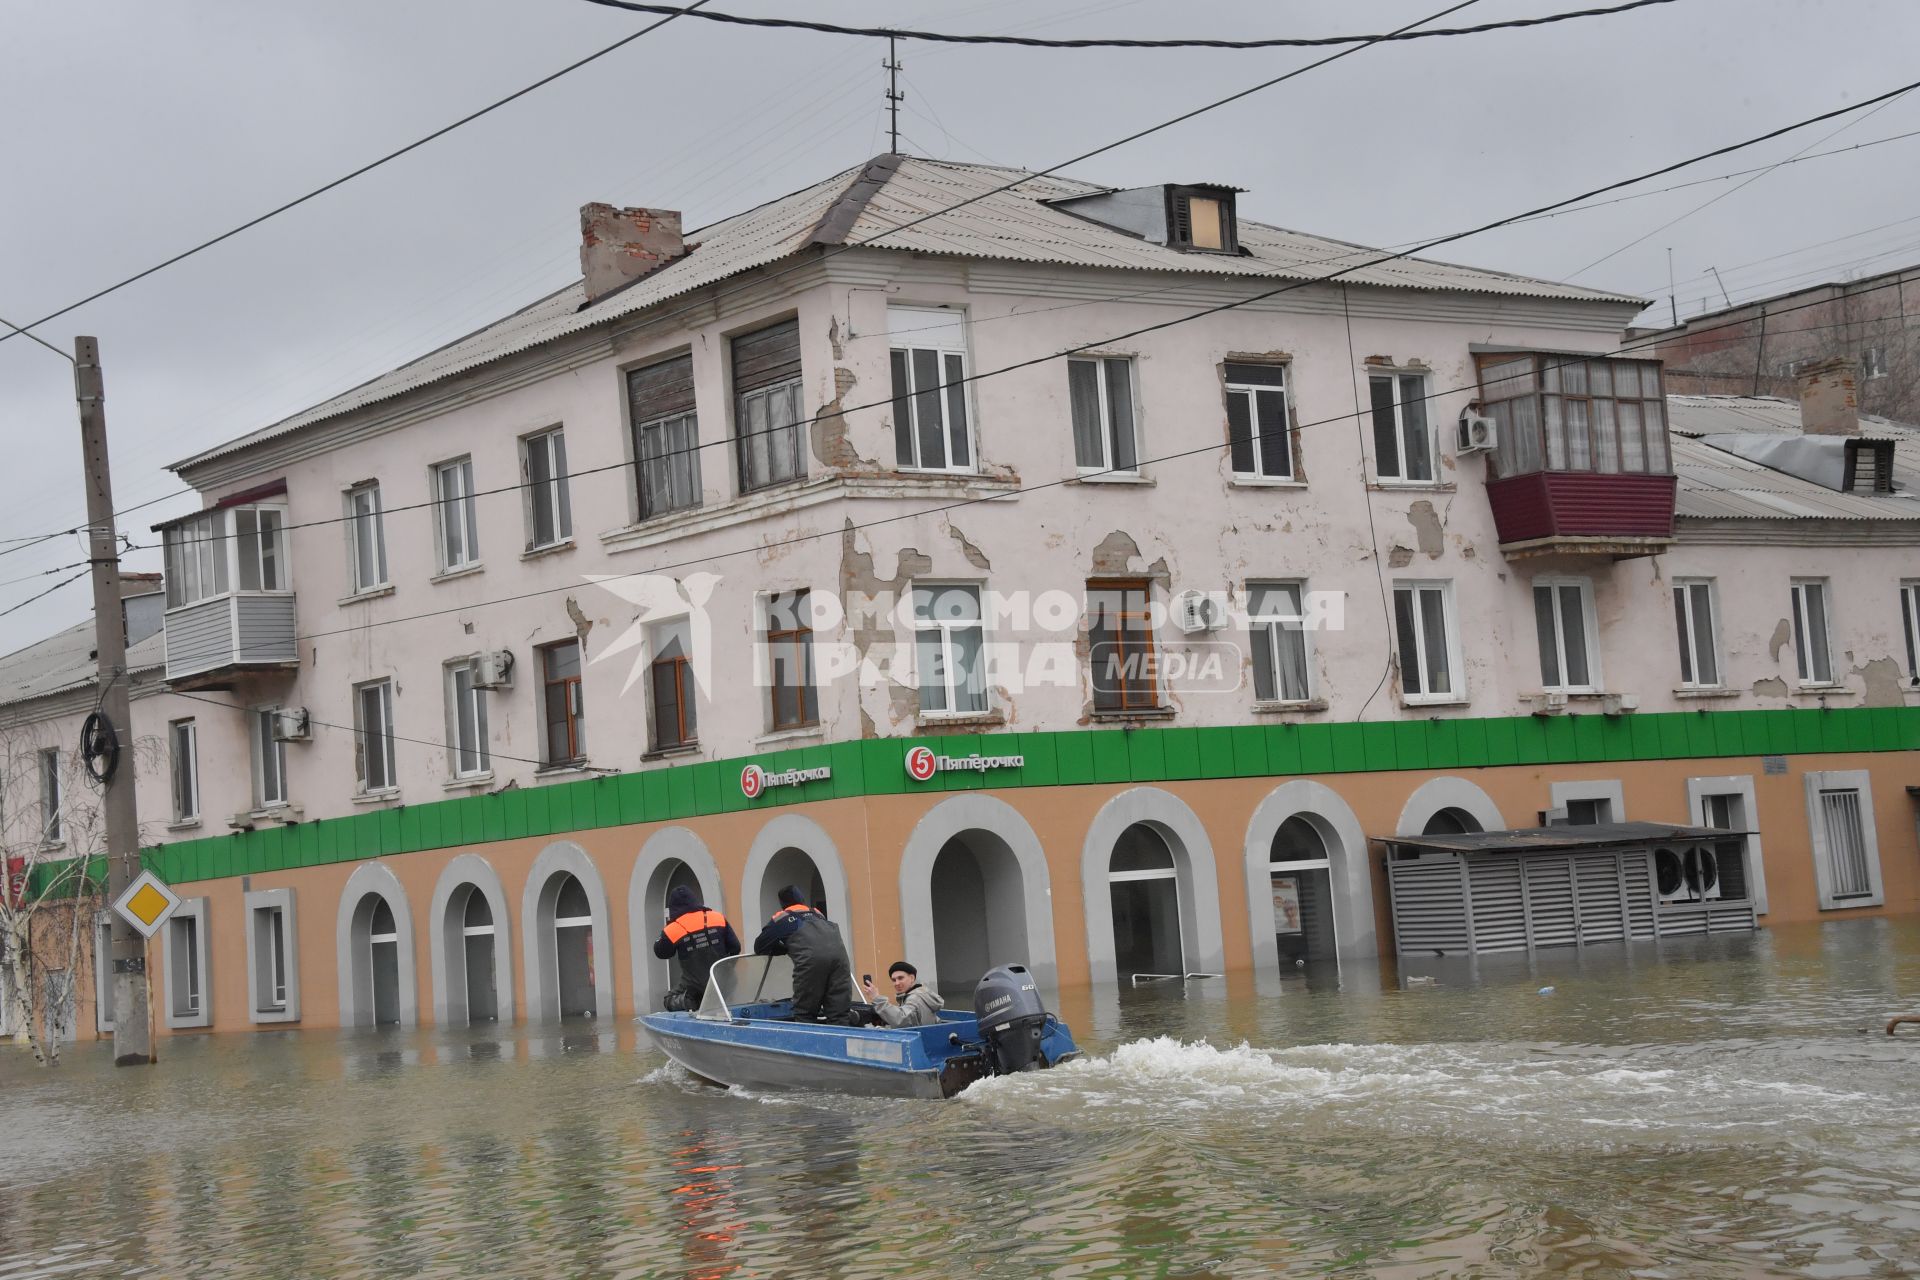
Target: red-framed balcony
1580	464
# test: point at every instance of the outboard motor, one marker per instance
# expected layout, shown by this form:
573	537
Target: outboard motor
1012	1019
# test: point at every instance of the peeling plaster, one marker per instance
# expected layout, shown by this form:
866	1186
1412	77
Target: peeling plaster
1771	687
975	556
1886	687
831	444
858	578
1116	553
1782	637
581	622
1399	557
1426	529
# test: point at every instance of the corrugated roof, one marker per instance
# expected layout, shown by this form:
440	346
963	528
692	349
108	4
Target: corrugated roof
1013	226
1717	485
65	661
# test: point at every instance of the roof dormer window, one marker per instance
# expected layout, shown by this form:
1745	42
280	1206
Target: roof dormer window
1201	218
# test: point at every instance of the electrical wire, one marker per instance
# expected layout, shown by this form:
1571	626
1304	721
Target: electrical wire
941	509
1040	42
396	737
369	167
42	595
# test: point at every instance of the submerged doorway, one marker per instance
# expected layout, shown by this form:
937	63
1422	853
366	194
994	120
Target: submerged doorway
1144	884
979	911
796	867
479	948
573	948
668	876
383	944
1301	875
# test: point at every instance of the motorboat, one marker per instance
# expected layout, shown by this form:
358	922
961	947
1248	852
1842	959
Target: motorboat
743	1035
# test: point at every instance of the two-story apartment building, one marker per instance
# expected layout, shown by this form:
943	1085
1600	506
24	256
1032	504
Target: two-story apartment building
1028	570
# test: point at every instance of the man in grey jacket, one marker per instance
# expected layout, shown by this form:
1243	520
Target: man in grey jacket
914	1005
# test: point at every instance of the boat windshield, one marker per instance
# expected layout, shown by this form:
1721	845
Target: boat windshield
742	980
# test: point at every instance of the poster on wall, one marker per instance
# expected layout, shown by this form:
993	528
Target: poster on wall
1286	904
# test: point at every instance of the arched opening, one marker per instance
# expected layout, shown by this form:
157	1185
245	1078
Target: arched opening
792	866
668	876
1300	871
1451	822
1144	885
979	910
478	949
376	960
572	943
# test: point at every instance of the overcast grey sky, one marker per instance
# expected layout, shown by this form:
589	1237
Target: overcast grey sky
138	129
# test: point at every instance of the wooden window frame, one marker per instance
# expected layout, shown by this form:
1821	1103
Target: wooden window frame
800	637
1130	692
573	700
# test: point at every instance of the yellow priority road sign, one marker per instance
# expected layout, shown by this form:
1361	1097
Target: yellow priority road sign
146	903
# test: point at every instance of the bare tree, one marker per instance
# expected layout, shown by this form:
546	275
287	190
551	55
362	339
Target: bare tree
52	840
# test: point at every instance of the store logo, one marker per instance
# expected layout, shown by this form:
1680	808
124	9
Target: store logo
922	763
754	779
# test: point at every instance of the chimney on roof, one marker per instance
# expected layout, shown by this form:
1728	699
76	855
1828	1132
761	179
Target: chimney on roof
1829	402
618	246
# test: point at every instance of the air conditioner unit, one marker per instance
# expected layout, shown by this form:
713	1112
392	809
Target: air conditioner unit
1550	703
1619	704
493	670
1195	611
1686	874
1477	434
290	724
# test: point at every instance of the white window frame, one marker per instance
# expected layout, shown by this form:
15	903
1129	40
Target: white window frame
552	442
455	517
261	743
183	750
1741	788
1910	624
53	829
273	992
1610	790
946	629
1860	782
1251	390
264	550
1424	588
685	457
200	1012
1687	624
381	693
366	538
1275	625
1398	475
458	749
195	553
1555	583
941	341
1802	629
1108	429
1873	363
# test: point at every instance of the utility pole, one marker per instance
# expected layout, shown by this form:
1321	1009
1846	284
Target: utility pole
894	96
132	1034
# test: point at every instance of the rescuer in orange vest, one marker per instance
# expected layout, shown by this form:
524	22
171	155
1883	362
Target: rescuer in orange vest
699	937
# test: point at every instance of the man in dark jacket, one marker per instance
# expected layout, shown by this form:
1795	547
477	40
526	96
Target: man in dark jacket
699	937
822	974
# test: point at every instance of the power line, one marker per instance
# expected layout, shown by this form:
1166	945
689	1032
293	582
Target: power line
348	177
49	591
396	737
978	196
1190	42
1638	345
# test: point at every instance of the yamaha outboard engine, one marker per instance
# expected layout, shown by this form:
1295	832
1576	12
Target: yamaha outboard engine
1012	1019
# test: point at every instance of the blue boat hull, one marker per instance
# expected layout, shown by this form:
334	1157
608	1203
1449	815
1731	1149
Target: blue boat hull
757	1049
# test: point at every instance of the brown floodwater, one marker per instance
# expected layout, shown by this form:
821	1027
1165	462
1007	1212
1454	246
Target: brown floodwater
1712	1107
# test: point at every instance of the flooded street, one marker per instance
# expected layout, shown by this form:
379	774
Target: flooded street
1718	1107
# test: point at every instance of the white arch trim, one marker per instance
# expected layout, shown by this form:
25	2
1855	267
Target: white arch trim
1350	868
1435	794
538	964
972	811
793	830
1200	940
374	877
470	868
669	844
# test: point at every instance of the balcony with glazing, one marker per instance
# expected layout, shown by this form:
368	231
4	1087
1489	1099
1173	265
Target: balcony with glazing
229	598
1580	465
